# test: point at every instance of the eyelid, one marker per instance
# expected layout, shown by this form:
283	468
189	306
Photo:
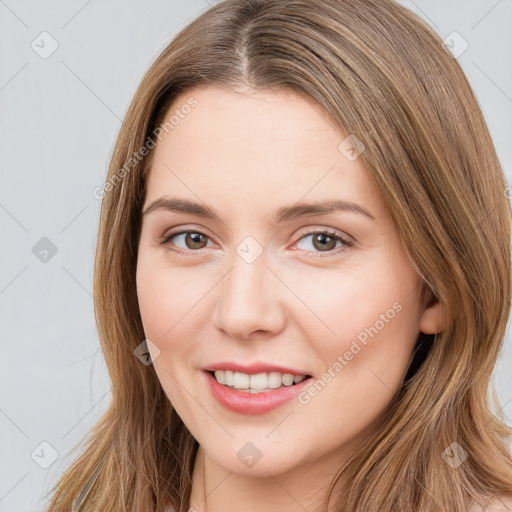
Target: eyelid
348	241
166	239
335	232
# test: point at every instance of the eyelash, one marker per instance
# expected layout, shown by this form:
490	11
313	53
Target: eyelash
190	252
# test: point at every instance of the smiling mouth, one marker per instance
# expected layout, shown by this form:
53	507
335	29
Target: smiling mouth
256	383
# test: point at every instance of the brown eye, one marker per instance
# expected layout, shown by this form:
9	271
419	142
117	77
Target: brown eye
186	241
195	240
323	241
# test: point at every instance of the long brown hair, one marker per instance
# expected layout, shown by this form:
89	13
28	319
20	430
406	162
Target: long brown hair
383	75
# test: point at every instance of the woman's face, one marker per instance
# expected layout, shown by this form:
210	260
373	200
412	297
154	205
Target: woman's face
266	284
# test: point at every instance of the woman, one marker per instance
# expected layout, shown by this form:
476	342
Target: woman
303	272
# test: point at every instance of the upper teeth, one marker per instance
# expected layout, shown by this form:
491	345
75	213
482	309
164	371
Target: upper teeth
270	380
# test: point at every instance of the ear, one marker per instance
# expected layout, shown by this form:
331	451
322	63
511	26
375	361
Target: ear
433	318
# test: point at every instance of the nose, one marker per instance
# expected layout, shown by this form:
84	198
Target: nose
251	301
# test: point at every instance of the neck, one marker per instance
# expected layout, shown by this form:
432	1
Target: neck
301	488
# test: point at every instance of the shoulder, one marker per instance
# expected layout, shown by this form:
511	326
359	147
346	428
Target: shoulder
495	504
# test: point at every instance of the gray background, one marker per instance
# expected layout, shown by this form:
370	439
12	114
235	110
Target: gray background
60	117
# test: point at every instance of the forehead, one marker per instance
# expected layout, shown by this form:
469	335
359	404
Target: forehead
251	122
261	145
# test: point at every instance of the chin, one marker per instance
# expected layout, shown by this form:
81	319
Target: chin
257	458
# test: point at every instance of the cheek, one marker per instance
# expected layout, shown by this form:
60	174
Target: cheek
365	361
168	320
171	304
365	315
166	296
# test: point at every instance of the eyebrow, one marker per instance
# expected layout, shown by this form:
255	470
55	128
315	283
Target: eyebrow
283	214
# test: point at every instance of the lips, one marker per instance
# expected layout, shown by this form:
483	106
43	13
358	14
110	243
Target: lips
254	368
259	400
245	403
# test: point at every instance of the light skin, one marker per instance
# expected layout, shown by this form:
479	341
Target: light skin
301	303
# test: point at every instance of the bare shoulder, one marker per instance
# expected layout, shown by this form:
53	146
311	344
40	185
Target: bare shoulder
495	505
498	503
